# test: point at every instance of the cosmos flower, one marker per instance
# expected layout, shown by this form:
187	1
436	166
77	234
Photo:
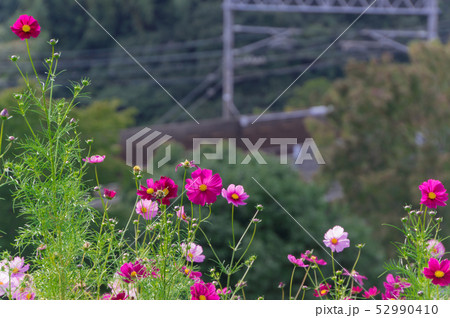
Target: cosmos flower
204	291
436	248
204	187
148	209
193	252
433	194
131	272
439	273
298	262
26	27
235	195
336	239
94	159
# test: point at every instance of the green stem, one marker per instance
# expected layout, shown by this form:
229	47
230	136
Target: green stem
31	61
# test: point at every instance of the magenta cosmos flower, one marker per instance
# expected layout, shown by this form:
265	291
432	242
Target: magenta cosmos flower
298	262
439	273
204	291
433	194
235	195
355	275
109	194
204	187
162	190
26	27
312	258
395	286
148	209
131	272
372	292
94	159
336	239
436	248
193	252
323	290
195	276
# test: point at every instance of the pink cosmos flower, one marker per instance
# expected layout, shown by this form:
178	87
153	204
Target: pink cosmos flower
235	195
165	189
94	159
109	194
433	194
436	248
356	290
131	272
298	262
119	296
391	295
148	209
26	27
356	276
372	292
118	286
439	273
395	286
204	187
186	164
147	193
323	290
313	259
195	276
204	291
6	284
336	239
181	214
223	291
24	294
17	267
193	252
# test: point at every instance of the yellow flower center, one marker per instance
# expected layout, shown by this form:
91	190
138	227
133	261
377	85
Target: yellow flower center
186	271
190	255
1	283
439	274
183	216
334	240
15	270
28	296
150	191
323	291
166	191
202	297
313	258
432	195
144	210
133	274
26	28
235	196
203	187
435	250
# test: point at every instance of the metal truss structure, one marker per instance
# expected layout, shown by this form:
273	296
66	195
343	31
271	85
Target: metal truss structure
427	8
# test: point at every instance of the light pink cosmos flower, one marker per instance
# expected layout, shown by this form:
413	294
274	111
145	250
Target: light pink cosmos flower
26	27
235	195
94	159
6	285
433	194
181	214
298	262
436	248
118	286
24	294
193	252
17	267
148	209
336	239
186	164
204	187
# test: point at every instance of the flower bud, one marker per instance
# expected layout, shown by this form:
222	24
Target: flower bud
18	96
53	42
136	169
14	58
404	219
259	207
86	245
281	285
56	55
420	293
432	213
419	213
4	114
11	138
407	208
85	82
89	141
256	221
